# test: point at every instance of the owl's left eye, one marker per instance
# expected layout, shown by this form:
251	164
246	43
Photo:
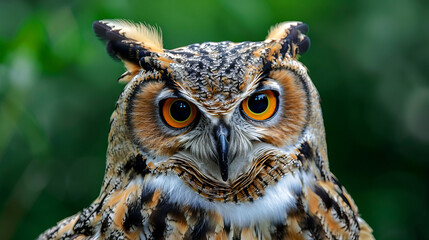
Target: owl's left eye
178	112
261	105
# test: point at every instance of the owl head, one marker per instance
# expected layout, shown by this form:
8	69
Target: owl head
225	122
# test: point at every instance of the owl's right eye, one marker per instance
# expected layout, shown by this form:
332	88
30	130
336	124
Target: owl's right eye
260	106
178	112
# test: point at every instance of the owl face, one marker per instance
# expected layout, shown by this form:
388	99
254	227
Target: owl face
216	109
227	119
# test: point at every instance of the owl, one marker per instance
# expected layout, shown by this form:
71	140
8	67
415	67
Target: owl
218	140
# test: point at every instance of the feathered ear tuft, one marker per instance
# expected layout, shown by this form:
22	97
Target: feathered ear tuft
291	35
118	30
129	42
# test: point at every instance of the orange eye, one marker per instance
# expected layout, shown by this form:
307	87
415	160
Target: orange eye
261	105
178	113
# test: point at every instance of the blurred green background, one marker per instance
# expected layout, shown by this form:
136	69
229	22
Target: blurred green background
369	60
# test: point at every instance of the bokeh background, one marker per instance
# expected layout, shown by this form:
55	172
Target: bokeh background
369	60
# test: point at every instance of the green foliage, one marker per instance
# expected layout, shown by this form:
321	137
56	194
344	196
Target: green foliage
369	60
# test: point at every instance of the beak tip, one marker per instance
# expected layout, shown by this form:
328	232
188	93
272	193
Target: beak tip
224	176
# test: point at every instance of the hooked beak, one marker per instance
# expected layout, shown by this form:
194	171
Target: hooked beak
221	135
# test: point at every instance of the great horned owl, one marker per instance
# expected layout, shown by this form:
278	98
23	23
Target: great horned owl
215	141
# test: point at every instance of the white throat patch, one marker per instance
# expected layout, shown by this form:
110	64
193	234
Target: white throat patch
273	206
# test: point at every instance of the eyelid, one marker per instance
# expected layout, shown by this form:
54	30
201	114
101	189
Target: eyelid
166	94
268	84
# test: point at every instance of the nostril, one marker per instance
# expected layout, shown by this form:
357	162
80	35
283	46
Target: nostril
222	130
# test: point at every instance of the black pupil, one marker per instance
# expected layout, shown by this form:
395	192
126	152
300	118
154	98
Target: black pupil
180	110
258	103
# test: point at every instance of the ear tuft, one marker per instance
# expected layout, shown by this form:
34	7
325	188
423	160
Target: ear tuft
129	42
118	29
292	36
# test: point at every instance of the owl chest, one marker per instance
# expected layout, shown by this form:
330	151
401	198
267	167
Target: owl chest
183	214
171	221
287	211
